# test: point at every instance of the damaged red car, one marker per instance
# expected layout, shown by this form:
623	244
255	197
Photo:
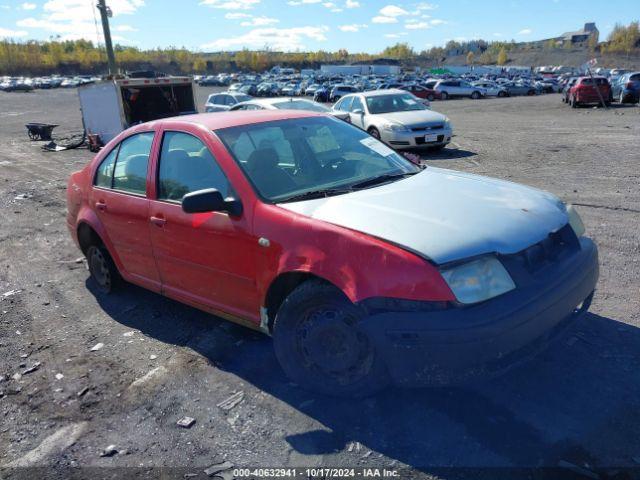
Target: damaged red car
364	267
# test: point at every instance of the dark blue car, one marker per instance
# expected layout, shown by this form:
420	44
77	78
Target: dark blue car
627	88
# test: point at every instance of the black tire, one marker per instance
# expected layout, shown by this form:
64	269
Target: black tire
102	268
320	346
374	132
531	93
475	95
502	94
437	148
431	97
444	96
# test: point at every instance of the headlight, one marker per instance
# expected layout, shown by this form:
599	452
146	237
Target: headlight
575	221
394	127
478	280
447	122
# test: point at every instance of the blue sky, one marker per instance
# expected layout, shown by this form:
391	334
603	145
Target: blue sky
357	25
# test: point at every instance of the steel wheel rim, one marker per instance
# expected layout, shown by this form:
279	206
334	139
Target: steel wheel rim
100	269
330	345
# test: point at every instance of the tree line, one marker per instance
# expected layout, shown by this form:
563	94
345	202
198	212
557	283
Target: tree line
85	57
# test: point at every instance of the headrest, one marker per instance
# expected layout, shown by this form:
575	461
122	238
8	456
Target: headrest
263	158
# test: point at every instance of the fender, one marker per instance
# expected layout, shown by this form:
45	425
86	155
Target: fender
358	264
89	217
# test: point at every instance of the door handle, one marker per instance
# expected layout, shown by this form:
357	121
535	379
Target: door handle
101	206
158	221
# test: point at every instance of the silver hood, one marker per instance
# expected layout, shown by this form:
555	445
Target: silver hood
413	117
445	215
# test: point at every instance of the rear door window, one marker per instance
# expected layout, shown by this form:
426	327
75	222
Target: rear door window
130	172
104	174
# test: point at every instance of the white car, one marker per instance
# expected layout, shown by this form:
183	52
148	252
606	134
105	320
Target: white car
492	89
288	104
221	102
458	88
398	118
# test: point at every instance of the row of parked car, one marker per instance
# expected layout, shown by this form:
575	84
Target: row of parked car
26	84
585	90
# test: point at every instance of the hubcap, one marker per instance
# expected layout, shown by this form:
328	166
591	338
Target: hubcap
331	345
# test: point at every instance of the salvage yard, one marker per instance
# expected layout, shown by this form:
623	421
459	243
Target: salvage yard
81	372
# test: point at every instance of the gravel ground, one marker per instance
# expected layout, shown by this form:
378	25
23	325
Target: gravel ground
576	404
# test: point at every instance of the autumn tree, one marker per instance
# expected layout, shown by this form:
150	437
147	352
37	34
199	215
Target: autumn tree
502	56
470	58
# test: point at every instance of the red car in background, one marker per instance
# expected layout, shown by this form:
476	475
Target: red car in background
585	91
422	92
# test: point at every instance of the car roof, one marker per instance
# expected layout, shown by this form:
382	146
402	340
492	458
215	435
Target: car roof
218	120
378	93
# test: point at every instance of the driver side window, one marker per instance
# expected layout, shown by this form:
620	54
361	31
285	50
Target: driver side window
187	165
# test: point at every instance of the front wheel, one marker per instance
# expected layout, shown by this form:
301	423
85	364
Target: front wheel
374	132
320	345
502	94
475	95
445	96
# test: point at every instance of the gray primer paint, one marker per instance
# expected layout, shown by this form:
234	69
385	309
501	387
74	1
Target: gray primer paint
445	215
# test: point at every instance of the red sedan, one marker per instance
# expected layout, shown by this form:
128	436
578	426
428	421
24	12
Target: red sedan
423	92
363	266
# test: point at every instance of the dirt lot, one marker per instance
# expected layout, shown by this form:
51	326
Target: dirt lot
579	402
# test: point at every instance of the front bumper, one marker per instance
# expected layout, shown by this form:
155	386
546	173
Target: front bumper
415	139
460	343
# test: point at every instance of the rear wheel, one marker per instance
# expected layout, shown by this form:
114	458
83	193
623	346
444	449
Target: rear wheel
475	95
431	97
502	94
320	346
445	96
531	92
102	268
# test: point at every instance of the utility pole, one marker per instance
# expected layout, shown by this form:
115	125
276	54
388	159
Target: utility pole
105	13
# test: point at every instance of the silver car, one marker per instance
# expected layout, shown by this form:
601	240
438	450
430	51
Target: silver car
458	88
288	104
398	118
221	102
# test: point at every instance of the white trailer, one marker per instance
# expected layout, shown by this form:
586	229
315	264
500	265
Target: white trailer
112	106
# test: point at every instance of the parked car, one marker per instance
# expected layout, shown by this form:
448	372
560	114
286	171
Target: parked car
291	90
351	257
288	104
221	102
397	118
566	87
338	91
585	91
627	88
458	88
422	92
492	89
520	88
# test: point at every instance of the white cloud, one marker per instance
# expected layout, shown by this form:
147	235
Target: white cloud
125	28
395	35
497	34
285	39
236	15
383	19
6	33
5	7
417	26
437	21
28	6
295	3
352	4
393	11
355	27
259	22
74	19
525	31
426	6
231	4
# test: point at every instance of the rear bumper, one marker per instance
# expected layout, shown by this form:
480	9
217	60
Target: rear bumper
457	344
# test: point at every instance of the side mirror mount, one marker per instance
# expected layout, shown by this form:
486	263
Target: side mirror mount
358	111
210	200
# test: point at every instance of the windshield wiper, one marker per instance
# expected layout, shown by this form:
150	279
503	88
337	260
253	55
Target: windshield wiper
321	193
387	177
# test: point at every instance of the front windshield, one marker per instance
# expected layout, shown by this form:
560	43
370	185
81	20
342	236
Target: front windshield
242	98
301	105
396	102
287	159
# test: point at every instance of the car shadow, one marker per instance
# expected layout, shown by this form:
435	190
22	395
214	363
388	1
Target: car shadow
576	405
448	153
